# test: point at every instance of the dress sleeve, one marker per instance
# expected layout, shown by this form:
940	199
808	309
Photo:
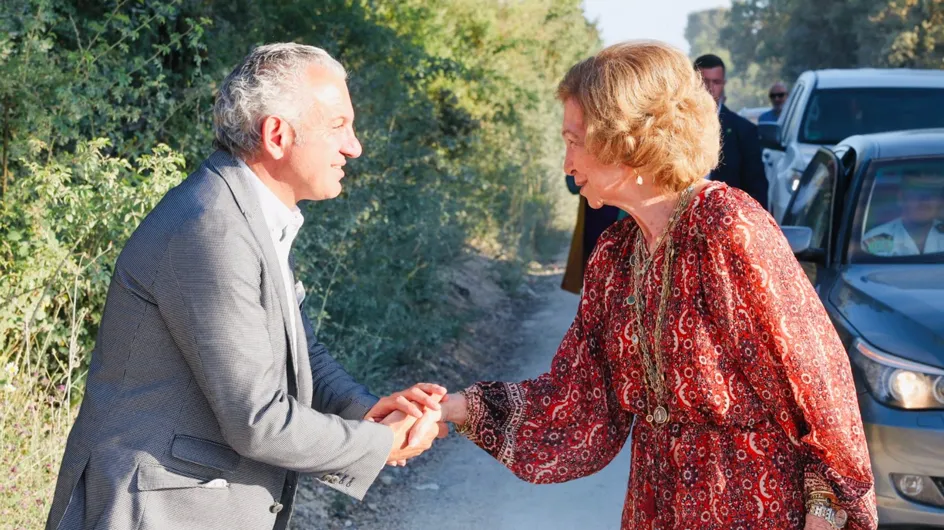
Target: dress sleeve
564	424
789	352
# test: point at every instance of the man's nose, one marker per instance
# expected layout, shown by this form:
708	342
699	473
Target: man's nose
352	148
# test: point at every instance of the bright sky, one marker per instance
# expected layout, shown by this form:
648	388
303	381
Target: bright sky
663	20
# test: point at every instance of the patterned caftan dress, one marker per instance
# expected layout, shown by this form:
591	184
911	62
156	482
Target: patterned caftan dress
758	387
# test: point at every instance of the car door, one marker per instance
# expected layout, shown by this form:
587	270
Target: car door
776	161
812	206
772	157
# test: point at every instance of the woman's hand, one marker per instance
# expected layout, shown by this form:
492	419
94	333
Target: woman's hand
817	523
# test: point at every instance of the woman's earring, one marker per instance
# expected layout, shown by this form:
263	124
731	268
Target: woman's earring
638	179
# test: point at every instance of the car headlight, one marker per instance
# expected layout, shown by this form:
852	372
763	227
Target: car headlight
918	488
898	382
795	176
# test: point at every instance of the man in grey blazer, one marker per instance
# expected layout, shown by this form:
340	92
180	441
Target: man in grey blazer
208	392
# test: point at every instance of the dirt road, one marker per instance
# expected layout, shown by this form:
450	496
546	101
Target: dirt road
460	487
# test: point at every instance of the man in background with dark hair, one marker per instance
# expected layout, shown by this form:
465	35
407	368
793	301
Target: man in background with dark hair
740	165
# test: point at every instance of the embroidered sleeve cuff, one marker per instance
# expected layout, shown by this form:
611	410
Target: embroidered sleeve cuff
816	487
474	412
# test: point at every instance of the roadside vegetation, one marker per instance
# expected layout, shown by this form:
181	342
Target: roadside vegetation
764	41
106	105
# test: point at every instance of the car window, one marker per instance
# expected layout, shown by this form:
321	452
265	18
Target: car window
835	114
901	214
793	101
811	205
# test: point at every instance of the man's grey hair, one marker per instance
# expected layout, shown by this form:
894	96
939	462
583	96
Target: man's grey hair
266	83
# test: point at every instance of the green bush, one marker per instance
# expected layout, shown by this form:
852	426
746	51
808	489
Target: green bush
106	105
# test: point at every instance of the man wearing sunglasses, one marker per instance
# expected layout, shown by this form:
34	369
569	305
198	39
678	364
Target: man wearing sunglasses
778	97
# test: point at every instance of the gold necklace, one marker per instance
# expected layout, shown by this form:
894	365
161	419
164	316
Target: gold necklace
652	361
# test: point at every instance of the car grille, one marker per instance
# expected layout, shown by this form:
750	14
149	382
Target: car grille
939	482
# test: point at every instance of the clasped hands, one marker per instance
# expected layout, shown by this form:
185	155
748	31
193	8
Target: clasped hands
415	416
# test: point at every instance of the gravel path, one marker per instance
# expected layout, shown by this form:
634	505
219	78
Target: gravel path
458	486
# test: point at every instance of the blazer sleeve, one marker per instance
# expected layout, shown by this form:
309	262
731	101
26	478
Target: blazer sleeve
335	390
208	289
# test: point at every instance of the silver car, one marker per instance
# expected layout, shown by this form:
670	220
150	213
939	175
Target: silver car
826	106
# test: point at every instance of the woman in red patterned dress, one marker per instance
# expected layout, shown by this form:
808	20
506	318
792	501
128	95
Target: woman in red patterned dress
697	330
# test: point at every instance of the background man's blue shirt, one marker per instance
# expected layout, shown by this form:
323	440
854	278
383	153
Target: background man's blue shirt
768	116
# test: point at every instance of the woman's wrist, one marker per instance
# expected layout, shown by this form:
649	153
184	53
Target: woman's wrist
832	517
821	498
817	488
455	409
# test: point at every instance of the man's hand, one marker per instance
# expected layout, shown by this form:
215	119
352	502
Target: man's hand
410	401
430	426
424	430
411	436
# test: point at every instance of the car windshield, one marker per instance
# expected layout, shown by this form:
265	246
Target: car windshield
835	114
901	213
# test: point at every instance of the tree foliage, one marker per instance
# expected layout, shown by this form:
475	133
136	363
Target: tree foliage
912	36
747	80
787	37
104	105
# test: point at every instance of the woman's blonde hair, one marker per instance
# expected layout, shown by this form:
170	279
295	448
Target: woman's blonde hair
645	106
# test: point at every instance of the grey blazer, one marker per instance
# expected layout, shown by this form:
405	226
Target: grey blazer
194	416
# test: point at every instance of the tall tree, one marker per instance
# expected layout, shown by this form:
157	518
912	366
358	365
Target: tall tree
747	81
905	33
703	32
802	35
754	31
823	34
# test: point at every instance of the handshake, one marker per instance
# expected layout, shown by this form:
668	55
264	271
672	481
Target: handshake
417	416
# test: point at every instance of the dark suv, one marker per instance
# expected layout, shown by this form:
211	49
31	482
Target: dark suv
867	224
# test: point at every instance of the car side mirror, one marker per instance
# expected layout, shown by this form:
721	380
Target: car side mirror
800	239
769	133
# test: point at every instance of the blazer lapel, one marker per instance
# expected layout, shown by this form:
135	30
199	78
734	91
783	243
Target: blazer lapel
235	177
719	173
305	384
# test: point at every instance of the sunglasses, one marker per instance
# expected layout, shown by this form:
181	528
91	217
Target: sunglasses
778	95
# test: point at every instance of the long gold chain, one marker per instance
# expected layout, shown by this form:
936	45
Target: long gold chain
652	361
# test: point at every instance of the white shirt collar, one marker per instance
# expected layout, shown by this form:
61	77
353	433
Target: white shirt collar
283	222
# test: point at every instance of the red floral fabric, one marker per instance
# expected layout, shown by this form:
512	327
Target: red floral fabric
760	388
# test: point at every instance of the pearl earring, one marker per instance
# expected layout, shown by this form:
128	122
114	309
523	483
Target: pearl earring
638	179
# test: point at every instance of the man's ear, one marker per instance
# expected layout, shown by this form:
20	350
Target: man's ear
277	137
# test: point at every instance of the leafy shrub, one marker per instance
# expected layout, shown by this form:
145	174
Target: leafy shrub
106	105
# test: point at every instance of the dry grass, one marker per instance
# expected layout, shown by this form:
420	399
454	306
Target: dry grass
34	423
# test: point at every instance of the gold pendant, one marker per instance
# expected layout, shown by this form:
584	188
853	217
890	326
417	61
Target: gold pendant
660	415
